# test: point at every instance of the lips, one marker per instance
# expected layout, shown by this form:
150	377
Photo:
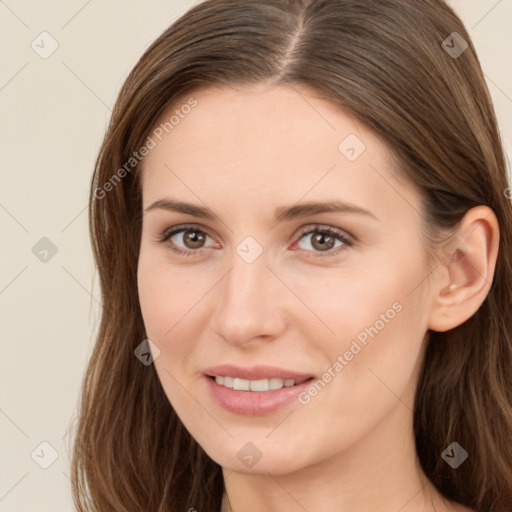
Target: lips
249	395
257	372
255	385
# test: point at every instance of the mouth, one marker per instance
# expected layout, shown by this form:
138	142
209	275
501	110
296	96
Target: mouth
254	391
256	385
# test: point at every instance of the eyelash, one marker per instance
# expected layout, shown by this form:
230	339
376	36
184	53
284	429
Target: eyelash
338	235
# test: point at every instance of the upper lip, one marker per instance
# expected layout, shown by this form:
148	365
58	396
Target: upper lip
254	372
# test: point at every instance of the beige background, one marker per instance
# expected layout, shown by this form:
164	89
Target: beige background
54	113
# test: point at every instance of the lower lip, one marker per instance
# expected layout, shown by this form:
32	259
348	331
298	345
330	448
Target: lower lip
254	403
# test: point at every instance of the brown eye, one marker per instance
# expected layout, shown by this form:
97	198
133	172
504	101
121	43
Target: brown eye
190	241
193	239
185	240
322	242
325	240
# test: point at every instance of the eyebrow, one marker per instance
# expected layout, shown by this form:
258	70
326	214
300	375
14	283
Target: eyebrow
282	213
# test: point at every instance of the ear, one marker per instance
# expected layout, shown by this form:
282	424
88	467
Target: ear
469	261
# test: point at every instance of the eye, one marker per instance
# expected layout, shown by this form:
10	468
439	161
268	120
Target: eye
323	240
193	239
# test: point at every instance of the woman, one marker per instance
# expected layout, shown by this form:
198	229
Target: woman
301	222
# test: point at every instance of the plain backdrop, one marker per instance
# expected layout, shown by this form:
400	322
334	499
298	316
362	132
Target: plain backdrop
54	112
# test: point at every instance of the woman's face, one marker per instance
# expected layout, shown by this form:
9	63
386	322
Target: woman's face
259	290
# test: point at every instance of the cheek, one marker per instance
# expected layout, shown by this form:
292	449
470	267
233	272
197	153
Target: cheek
154	301
379	362
164	305
164	296
377	321
348	301
368	366
172	310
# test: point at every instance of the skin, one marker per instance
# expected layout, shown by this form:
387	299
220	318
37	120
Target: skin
242	153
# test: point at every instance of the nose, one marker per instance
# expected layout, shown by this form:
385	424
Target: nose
251	303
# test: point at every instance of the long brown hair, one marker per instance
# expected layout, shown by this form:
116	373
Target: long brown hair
384	62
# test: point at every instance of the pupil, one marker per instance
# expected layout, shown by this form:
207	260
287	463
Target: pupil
321	239
194	238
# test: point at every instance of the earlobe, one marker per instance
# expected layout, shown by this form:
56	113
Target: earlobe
470	262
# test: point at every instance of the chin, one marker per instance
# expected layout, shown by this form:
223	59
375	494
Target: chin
248	459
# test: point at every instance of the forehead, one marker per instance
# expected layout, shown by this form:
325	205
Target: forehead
259	115
264	143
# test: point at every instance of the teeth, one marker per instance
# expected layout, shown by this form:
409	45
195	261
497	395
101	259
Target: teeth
255	385
241	384
259	385
275	383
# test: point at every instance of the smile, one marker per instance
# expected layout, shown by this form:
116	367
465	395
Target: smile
256	385
254	397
